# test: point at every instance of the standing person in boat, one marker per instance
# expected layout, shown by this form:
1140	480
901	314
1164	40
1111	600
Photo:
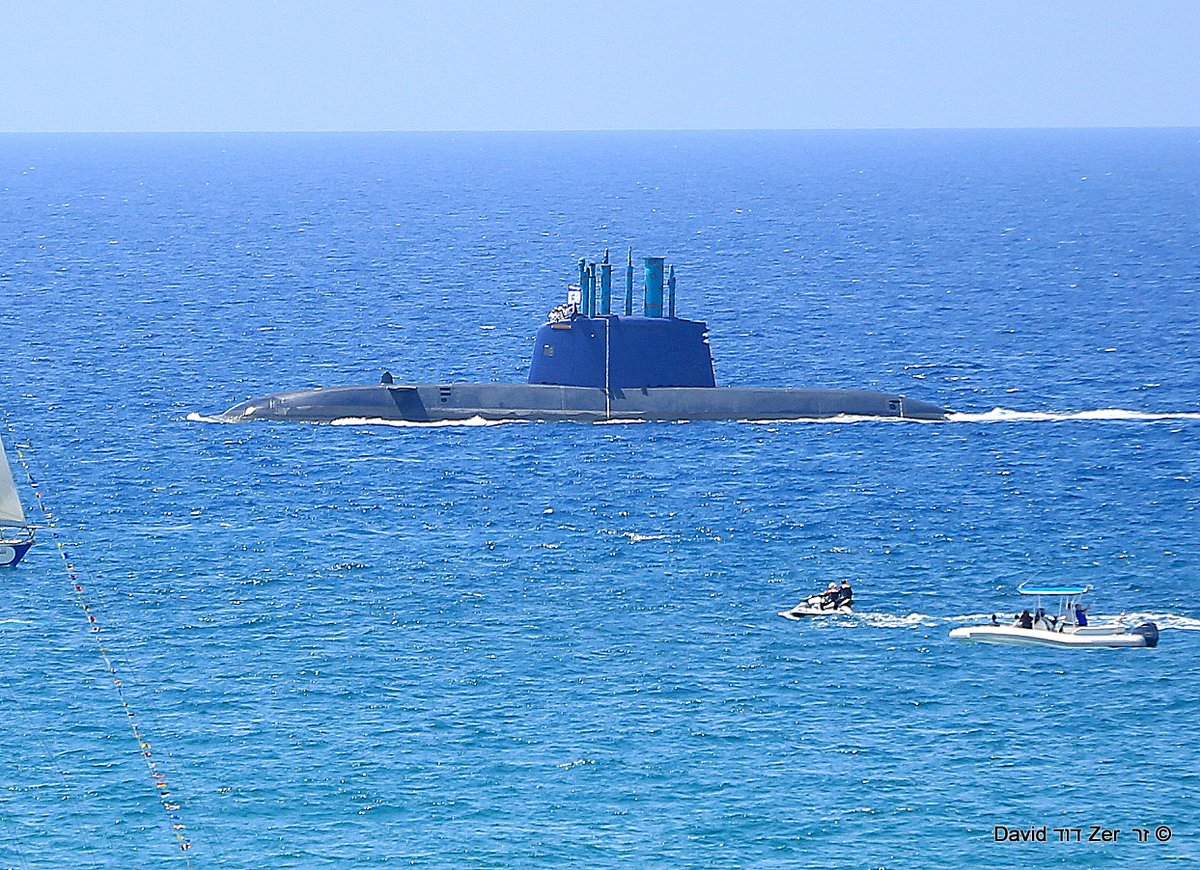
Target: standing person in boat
845	596
1025	619
1080	613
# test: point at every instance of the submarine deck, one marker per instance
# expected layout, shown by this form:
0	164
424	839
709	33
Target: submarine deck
462	401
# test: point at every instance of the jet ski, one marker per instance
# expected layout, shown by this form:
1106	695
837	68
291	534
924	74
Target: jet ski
832	602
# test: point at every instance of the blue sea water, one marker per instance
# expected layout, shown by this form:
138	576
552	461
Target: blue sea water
547	645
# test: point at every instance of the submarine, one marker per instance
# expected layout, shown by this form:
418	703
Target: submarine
591	365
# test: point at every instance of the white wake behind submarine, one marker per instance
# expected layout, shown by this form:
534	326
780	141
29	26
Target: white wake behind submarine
592	365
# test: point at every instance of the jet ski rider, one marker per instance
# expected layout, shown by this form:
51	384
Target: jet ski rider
830	598
835	598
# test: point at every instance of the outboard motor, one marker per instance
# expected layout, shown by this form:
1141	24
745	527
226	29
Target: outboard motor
1149	631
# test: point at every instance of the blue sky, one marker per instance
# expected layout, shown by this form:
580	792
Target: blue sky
212	65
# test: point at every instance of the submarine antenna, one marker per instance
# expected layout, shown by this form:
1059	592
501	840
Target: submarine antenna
629	286
652	304
606	285
583	286
593	309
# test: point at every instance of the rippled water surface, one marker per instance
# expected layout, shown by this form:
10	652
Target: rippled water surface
547	645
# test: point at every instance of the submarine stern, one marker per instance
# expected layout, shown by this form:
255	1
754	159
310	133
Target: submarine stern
916	409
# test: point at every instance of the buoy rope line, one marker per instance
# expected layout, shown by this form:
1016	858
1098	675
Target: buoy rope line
170	805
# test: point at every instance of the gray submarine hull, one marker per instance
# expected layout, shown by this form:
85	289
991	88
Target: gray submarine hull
430	403
590	364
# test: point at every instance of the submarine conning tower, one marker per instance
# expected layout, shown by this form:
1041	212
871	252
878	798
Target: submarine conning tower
585	344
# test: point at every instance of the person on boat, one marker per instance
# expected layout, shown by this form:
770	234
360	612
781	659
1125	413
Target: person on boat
821	600
1044	618
1025	619
1080	614
845	596
830	598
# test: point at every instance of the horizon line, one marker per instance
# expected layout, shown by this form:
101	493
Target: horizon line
540	130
